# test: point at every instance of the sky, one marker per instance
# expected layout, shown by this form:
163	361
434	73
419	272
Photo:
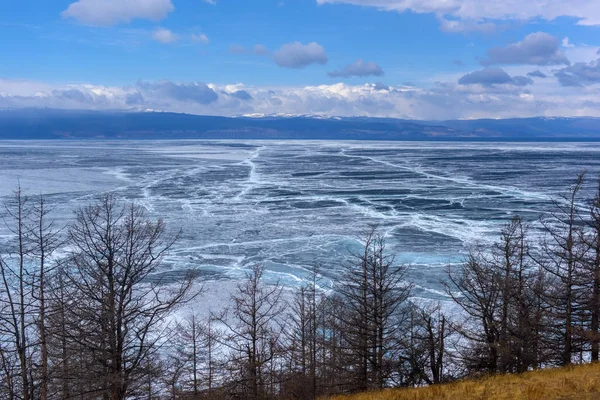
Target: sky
416	59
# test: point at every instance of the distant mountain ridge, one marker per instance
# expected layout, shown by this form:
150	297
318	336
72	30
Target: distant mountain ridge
83	124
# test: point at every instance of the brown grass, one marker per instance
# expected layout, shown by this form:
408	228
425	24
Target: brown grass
573	383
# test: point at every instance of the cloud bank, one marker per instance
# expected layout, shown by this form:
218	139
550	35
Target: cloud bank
489	94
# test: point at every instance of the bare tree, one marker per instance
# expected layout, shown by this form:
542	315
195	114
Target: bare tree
302	338
475	289
252	334
196	347
501	293
116	305
17	305
46	239
591	279
374	292
334	351
62	355
562	259
427	354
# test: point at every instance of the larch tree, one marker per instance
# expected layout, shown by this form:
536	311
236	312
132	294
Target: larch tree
118	304
251	333
591	270
373	291
17	305
562	258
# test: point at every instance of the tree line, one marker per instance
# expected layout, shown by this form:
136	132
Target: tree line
101	322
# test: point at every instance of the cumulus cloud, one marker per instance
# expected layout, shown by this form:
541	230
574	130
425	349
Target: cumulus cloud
489	77
298	55
165	36
579	74
112	12
586	12
357	68
200	38
537	48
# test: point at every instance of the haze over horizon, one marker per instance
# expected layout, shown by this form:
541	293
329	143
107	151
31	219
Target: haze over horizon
431	59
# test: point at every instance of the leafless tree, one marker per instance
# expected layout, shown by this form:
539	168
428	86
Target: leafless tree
251	333
562	259
23	314
501	293
302	336
591	275
117	305
46	239
195	345
374	292
476	291
17	306
424	355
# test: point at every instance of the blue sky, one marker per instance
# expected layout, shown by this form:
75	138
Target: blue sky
426	59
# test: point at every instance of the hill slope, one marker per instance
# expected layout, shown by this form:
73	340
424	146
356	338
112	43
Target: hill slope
572	383
82	124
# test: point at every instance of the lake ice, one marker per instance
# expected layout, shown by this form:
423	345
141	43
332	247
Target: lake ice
292	204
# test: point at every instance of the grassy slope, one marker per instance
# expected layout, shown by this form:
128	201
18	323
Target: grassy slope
573	383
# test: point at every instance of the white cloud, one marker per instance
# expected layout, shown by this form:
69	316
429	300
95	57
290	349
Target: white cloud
201	38
586	12
565	43
112	12
444	100
298	55
165	36
213	2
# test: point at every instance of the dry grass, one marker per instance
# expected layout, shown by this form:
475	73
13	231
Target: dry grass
573	383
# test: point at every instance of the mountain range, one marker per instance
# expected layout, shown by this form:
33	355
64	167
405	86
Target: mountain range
83	124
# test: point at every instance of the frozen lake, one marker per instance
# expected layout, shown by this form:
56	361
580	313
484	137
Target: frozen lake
289	205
